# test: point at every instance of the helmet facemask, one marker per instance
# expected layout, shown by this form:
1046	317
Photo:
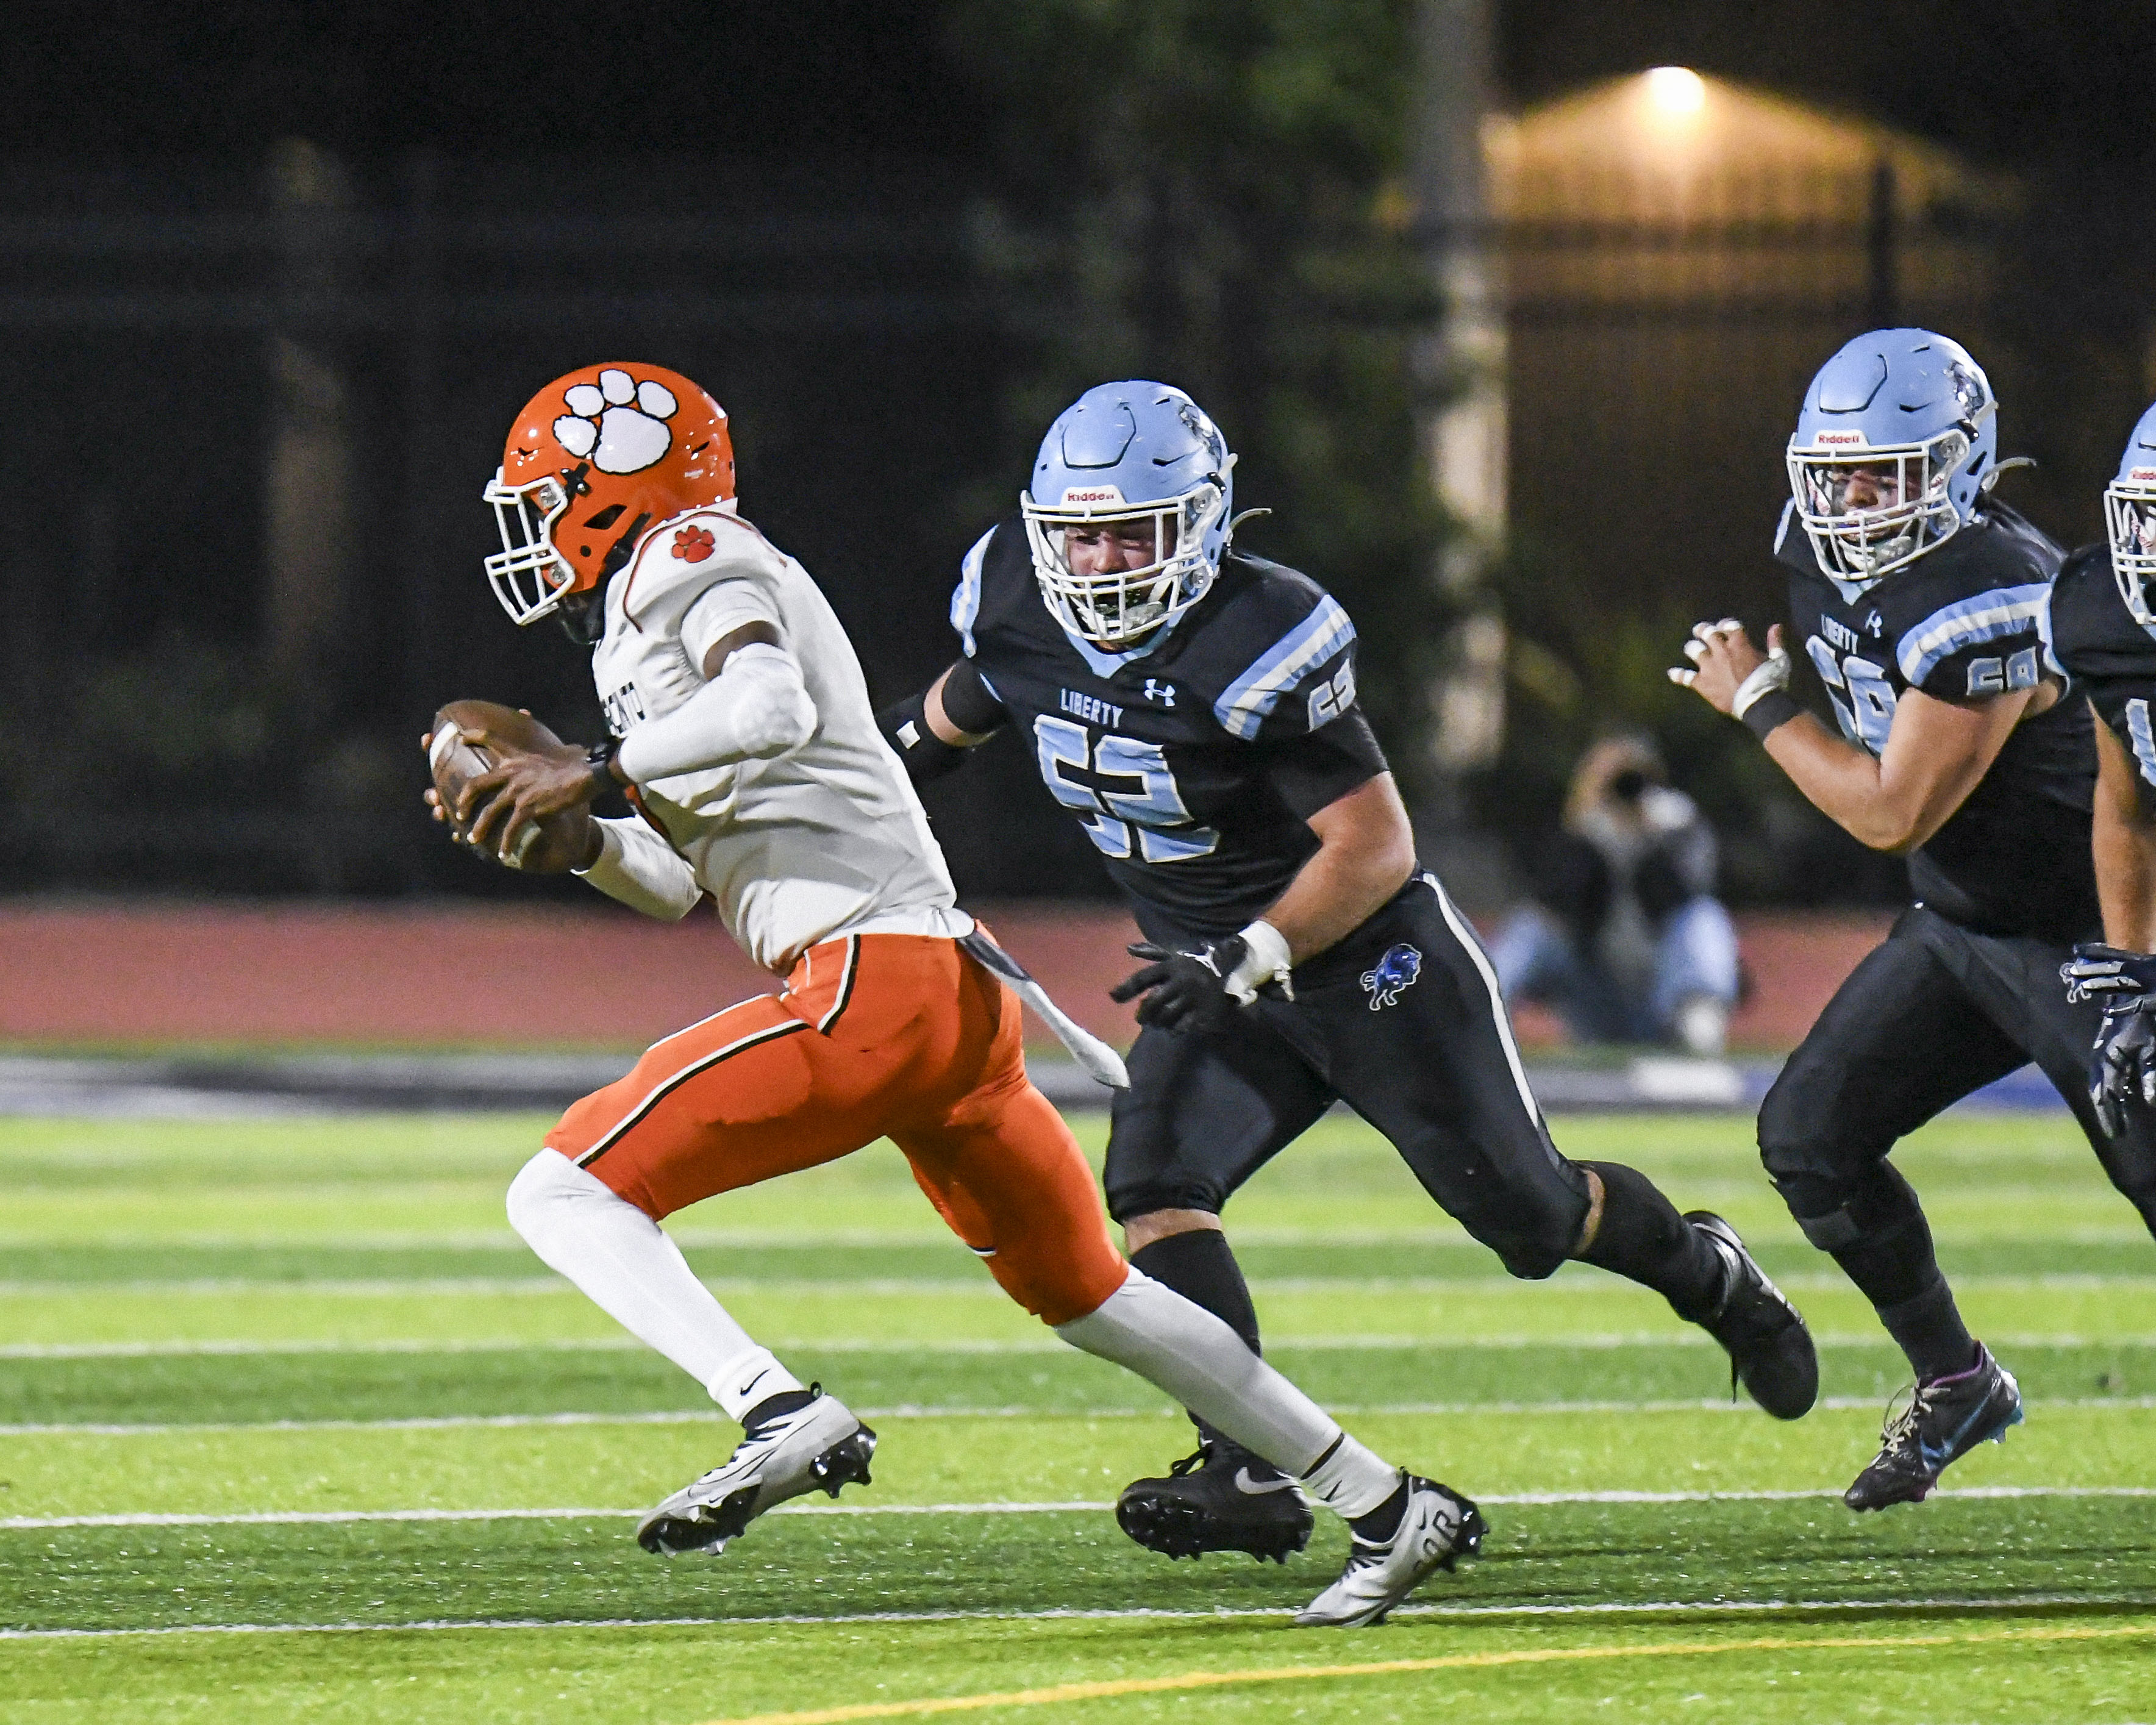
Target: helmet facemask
1117	609
2129	518
529	576
1860	544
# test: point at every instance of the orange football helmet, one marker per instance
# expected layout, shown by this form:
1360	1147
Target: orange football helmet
598	459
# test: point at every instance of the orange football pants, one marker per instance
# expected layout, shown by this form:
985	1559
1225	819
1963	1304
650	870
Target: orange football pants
877	1035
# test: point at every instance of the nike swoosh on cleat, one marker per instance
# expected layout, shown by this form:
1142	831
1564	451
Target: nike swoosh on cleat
1255	1488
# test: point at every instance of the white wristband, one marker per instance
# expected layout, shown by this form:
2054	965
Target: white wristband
1772	673
1266	961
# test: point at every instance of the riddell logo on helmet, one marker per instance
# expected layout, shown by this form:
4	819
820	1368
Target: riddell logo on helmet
1839	440
1080	495
2142	473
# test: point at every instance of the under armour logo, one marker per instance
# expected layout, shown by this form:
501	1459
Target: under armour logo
1873	627
1392	973
1164	693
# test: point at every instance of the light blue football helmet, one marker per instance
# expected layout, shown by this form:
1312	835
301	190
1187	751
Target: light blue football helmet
1135	451
2129	516
1898	434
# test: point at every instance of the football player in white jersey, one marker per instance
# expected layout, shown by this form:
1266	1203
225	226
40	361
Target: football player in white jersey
743	726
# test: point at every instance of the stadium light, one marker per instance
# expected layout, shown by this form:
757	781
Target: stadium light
1675	91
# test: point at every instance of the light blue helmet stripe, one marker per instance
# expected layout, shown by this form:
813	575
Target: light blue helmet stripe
966	602
1245	703
2003	611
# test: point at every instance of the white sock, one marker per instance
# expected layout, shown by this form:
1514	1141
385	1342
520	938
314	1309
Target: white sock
1181	1346
625	1261
1352	1481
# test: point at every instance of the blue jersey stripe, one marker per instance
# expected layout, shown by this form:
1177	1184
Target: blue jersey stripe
1245	703
2144	742
966	602
2050	641
2003	611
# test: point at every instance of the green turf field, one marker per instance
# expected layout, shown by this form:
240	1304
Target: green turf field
292	1426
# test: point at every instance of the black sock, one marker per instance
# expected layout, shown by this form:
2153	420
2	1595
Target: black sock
1930	1331
1643	1238
1198	1265
777	1407
1885	1247
1381	1524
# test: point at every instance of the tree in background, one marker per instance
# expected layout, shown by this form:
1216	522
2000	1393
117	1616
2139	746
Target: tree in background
1207	191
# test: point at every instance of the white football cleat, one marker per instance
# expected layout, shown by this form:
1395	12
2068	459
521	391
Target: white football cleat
1439	1528
817	1447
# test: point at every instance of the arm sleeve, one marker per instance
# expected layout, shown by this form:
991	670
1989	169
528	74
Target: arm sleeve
969	703
756	708
641	870
1319	768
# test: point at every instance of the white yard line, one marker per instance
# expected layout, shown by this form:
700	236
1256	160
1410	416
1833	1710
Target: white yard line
391	1288
1762	1608
1687	1338
326	1516
914	1410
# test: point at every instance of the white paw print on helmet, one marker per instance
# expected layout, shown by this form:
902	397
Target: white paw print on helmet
619	424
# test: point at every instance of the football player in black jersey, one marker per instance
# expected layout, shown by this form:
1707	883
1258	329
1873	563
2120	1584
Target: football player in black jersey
1195	709
2102	627
1918	598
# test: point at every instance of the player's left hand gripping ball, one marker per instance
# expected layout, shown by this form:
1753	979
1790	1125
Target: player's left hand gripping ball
479	753
2123	1064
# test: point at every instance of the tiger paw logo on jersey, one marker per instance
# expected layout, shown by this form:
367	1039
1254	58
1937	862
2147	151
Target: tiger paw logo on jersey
617	424
1393	975
692	545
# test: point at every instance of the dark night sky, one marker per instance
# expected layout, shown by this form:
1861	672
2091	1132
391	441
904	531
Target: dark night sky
811	77
2070	81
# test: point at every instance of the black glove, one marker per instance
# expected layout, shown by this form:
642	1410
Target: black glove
2122	1067
1183	991
2105	973
2123	1064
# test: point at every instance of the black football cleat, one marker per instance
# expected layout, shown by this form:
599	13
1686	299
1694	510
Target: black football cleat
1770	1349
1222	1498
1945	1419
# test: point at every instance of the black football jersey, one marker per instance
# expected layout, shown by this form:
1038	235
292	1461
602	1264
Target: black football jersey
2107	656
1184	760
1965	620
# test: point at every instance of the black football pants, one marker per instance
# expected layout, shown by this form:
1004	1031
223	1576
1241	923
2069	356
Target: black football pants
1402	1021
1933	1013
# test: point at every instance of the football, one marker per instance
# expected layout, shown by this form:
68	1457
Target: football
550	846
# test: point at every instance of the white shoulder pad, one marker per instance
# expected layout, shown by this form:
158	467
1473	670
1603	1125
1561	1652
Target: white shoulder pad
684	558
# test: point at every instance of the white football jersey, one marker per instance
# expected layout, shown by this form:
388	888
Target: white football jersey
826	839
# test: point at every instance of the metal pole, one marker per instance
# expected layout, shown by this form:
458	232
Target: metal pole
1882	298
1463	375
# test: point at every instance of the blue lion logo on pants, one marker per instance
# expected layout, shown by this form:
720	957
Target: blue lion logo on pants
1397	970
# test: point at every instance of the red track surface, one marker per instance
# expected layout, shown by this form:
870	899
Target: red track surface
451	975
